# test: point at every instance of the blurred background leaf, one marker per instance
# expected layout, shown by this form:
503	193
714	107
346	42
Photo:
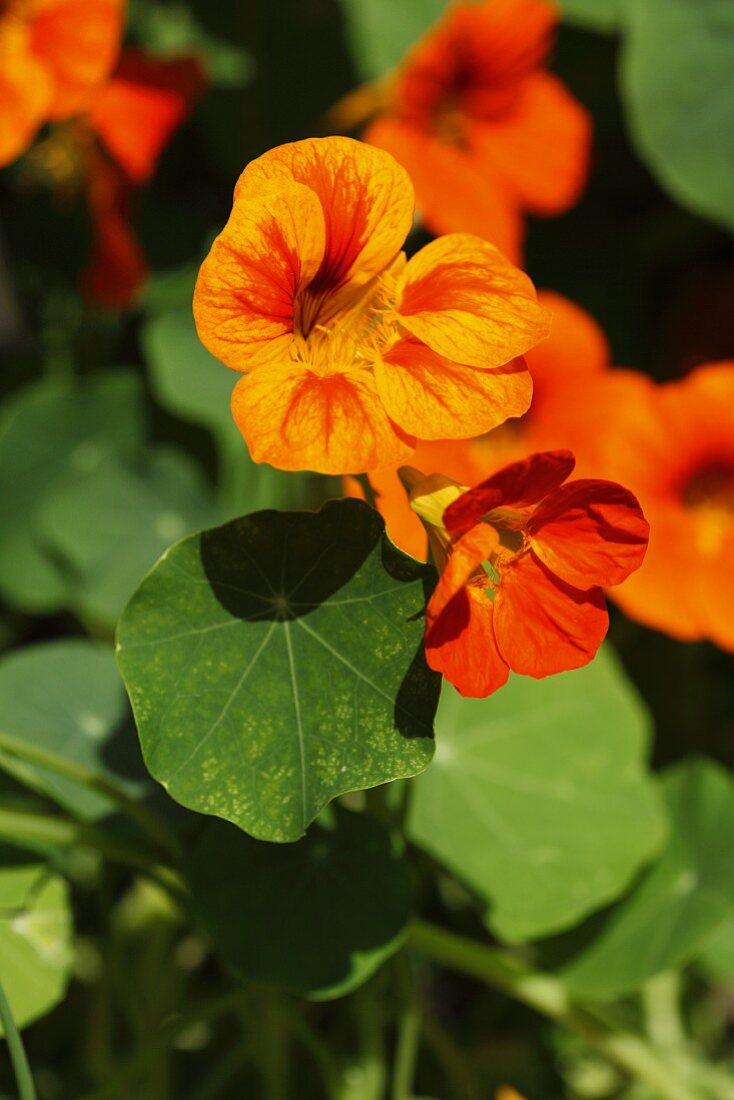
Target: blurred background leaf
538	799
318	916
677	84
381	31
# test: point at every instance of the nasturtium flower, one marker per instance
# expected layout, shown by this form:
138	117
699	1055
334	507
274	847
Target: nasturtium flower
349	350
522	559
485	131
53	55
575	353
110	149
673	444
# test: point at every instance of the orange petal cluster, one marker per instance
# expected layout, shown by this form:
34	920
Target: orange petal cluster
485	131
575	353
523	557
350	352
673	444
131	119
53	55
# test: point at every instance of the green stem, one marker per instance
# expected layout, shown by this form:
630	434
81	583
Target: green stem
629	1052
21	1069
408	1033
274	1063
148	822
370	493
21	827
368	1083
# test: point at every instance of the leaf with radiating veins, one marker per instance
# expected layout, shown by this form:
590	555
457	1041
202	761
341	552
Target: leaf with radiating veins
276	662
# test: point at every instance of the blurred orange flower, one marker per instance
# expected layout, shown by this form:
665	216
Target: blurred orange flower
673	444
485	131
349	350
522	558
53	53
575	352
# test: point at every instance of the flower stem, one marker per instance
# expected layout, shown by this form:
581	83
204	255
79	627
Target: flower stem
21	1069
548	996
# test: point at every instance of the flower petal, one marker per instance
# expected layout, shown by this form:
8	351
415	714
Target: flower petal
466	301
590	532
433	398
137	110
336	423
452	194
544	625
540	149
117	265
366	196
78	41
517	486
244	302
460	639
25	94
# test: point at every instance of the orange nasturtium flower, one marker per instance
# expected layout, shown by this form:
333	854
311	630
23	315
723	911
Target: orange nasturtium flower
485	131
349	351
673	444
52	54
575	353
522	558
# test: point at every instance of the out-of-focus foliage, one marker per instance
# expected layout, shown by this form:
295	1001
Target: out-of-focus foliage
551	775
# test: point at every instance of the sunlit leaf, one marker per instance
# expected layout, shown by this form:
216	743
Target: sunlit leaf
677	81
107	528
380	31
49	430
538	799
684	897
277	662
35	938
318	916
66	696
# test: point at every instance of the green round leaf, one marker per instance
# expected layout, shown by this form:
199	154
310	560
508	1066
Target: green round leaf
686	896
381	31
49	430
277	662
538	799
318	916
67	697
107	527
677	81
35	939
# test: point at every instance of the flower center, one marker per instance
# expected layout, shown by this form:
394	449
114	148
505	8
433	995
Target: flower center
709	494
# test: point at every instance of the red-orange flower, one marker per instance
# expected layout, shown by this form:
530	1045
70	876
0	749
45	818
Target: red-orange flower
523	558
350	352
575	353
53	54
673	444
485	131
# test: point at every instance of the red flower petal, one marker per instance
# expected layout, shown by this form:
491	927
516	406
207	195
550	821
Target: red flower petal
590	532
517	486
543	625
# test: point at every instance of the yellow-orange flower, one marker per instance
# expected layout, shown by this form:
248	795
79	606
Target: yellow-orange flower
53	53
350	351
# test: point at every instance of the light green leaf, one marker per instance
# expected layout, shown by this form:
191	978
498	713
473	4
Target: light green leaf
108	527
597	15
172	30
35	939
380	32
684	897
49	430
318	916
677	82
277	662
192	384
67	697
716	959
538	799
